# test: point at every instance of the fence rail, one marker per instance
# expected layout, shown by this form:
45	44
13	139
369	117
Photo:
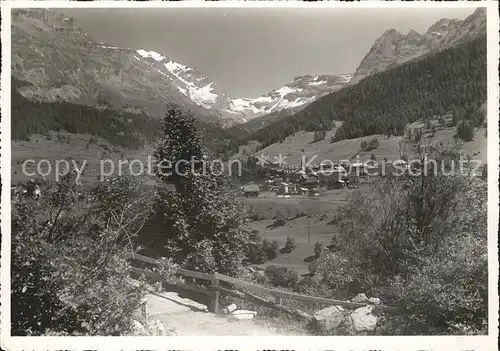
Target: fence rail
242	289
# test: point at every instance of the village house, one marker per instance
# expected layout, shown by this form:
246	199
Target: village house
288	189
310	183
251	190
331	174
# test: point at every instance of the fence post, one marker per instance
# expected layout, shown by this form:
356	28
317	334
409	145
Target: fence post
215	302
277	300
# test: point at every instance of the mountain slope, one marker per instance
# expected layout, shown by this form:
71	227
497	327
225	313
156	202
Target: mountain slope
384	102
62	63
296	94
393	48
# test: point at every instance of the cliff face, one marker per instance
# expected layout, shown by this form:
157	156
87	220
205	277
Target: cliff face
393	48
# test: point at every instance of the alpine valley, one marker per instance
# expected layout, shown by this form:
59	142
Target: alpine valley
64	64
68	65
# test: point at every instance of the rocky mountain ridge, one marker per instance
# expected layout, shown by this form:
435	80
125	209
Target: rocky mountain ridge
393	48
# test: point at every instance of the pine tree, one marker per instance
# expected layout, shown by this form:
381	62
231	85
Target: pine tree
196	219
465	131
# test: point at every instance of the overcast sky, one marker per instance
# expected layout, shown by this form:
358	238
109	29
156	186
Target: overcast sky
250	51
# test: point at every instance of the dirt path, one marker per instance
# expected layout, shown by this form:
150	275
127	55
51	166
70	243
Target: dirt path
184	317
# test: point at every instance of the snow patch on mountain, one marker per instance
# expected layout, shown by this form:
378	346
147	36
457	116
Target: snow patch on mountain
203	96
201	90
151	54
243	104
318	83
174	66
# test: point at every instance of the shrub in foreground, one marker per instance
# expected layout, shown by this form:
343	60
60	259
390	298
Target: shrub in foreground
282	276
70	274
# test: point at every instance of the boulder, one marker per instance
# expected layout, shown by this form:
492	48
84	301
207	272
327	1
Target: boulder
360	298
362	319
171	332
243	314
138	329
374	300
156	328
232	307
327	319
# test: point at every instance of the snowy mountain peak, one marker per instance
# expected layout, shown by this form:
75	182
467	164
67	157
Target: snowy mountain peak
65	64
298	93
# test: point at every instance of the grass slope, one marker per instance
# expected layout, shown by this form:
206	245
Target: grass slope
348	149
77	149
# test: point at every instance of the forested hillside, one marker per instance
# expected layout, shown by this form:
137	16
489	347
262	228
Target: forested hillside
452	80
122	128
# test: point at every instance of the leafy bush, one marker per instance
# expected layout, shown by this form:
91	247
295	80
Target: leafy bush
337	216
318	249
282	276
484	172
290	244
35	304
279	222
70	273
313	267
319	135
167	269
449	295
299	214
202	258
410	247
465	131
254	216
271	248
256	253
364	145
339	273
373	144
255	236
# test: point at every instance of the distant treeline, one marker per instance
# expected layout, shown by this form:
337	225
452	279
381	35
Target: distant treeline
121	128
385	102
125	129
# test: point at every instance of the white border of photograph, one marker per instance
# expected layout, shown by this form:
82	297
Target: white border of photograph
406	343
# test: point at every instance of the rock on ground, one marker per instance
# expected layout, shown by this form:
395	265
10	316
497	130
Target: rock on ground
231	308
362	319
375	300
360	298
327	319
243	314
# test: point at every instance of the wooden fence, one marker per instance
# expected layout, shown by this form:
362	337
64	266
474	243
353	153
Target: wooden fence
243	290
